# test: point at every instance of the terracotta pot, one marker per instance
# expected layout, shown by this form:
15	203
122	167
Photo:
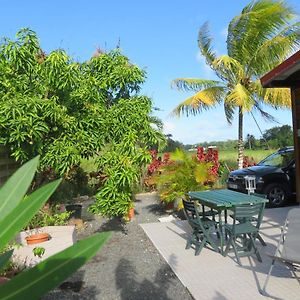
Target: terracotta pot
131	213
169	205
37	238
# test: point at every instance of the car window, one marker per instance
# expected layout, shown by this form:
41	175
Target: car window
278	159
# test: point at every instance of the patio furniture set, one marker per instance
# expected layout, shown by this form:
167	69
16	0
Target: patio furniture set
208	211
235	220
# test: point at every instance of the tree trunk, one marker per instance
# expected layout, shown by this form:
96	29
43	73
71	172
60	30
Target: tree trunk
240	140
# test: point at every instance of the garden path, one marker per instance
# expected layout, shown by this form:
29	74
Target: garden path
128	266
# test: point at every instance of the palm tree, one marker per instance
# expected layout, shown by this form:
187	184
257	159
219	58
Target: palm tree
260	38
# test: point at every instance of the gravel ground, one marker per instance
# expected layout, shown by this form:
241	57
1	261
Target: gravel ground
128	266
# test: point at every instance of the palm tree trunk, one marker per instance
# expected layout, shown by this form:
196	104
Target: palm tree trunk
240	140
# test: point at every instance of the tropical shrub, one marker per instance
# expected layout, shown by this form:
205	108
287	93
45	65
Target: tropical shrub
121	166
16	211
125	156
182	174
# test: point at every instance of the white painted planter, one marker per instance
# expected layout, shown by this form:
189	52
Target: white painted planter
62	237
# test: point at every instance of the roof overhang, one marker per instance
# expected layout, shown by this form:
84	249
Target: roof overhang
286	74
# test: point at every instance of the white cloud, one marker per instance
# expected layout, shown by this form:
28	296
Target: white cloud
210	126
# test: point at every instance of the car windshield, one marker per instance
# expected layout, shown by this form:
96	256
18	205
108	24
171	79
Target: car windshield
279	159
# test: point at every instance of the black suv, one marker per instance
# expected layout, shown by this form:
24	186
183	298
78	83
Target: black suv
275	177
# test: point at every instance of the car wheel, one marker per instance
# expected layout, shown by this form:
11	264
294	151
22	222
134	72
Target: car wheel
277	194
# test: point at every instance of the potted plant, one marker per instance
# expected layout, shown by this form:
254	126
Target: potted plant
130	212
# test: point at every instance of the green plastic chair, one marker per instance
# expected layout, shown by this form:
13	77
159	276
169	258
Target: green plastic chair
242	235
254	219
202	227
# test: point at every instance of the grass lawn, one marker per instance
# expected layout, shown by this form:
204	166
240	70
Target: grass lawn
230	156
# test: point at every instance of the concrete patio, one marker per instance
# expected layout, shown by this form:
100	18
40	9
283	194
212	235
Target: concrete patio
212	276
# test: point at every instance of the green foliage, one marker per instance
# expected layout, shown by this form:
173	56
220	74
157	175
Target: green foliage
183	174
35	282
74	184
66	111
121	164
38	251
126	154
250	142
115	76
172	145
280	136
51	216
58	108
37	111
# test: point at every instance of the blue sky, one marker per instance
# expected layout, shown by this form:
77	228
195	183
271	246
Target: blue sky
159	36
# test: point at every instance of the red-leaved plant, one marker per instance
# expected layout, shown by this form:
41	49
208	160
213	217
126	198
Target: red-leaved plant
248	162
212	156
157	162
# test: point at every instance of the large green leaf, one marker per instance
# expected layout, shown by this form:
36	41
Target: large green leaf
35	282
15	188
4	258
22	214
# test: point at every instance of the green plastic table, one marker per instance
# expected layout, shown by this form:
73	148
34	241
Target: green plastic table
221	200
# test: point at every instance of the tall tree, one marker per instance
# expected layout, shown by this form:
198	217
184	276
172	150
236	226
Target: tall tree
260	38
279	136
250	141
65	111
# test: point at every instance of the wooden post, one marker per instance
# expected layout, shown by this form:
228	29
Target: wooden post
295	95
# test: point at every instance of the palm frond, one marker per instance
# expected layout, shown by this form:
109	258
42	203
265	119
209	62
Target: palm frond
266	116
203	100
193	84
258	21
204	44
231	69
274	50
240	96
275	97
229	112
278	98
